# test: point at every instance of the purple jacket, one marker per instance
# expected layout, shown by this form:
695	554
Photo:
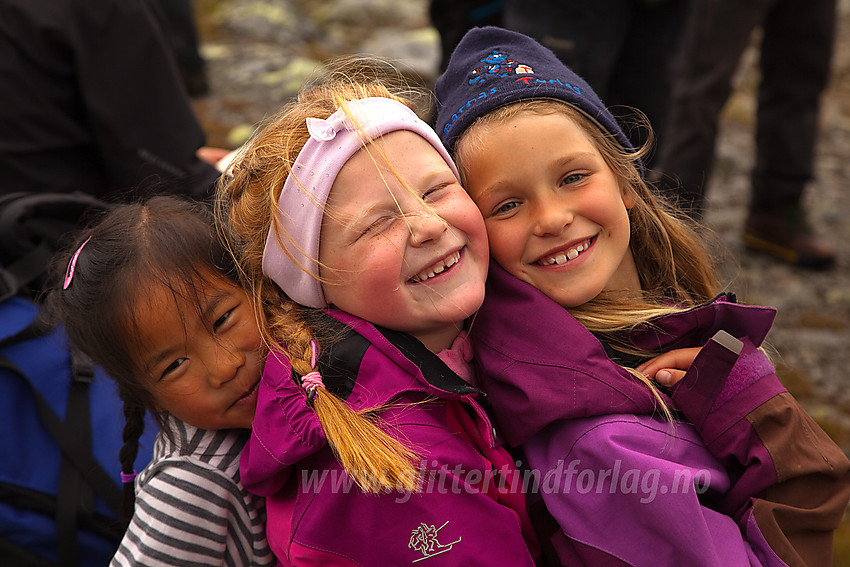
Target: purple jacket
315	513
742	477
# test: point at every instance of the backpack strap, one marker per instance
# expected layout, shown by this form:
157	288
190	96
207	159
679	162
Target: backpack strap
24	271
81	476
16	555
32	227
74	495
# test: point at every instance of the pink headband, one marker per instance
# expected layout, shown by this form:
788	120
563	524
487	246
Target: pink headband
294	266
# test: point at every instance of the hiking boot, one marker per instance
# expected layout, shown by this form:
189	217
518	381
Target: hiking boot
786	235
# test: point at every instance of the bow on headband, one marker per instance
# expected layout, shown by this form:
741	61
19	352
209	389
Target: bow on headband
291	258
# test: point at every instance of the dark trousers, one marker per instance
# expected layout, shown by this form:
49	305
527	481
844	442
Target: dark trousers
796	52
623	48
453	18
180	28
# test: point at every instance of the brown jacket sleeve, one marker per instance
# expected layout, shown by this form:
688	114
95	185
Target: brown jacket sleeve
799	513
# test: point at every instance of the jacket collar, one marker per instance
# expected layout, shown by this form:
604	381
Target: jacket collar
529	349
340	364
530	315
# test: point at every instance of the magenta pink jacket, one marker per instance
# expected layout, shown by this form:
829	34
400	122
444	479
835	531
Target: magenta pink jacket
317	516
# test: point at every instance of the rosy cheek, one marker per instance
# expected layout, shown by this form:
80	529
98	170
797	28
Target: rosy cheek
379	284
379	303
500	250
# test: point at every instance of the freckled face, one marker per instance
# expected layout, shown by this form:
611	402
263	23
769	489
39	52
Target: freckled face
414	258
554	211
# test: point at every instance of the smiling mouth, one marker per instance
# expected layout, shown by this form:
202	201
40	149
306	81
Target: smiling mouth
566	255
438	268
248	394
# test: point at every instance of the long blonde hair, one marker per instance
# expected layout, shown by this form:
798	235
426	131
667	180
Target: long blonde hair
673	259
246	205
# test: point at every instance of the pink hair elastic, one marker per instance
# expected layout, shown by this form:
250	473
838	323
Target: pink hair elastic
69	273
127	478
313	379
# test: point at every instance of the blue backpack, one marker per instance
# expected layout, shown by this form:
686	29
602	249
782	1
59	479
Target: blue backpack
61	417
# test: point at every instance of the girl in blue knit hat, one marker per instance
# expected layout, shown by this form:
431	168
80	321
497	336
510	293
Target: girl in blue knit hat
597	287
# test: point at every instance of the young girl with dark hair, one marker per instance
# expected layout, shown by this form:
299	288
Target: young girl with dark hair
148	292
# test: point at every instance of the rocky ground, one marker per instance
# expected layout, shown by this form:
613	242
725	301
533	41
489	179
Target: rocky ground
259	52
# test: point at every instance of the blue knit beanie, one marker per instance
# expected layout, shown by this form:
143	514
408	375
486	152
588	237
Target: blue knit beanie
492	67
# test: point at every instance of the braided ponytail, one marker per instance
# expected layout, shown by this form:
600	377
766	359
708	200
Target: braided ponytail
134	426
246	203
375	460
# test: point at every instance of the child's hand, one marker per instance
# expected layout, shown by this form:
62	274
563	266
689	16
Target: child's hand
670	367
211	155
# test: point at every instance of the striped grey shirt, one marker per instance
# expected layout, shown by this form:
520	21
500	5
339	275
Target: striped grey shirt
191	508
